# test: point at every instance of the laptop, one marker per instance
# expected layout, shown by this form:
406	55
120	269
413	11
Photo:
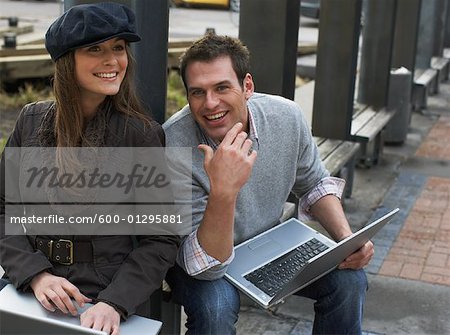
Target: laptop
280	261
21	313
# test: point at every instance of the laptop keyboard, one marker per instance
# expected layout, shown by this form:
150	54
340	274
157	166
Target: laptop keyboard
271	277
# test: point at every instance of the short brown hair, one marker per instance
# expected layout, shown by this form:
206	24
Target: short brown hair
212	46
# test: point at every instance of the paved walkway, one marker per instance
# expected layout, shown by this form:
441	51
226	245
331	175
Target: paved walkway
409	277
421	250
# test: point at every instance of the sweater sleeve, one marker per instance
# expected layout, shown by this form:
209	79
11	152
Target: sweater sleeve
310	169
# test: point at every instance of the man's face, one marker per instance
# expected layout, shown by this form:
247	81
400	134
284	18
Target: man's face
216	97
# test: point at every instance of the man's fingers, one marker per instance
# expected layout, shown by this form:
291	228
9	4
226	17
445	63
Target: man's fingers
360	258
232	133
208	152
239	140
252	157
247	146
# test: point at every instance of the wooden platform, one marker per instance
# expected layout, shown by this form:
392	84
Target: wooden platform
33	61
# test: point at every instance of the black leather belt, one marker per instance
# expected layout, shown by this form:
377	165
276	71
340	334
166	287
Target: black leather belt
65	252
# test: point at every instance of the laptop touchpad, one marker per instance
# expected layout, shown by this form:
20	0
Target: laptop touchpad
264	245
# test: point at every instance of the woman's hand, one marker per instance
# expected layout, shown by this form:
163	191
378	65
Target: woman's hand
53	291
102	317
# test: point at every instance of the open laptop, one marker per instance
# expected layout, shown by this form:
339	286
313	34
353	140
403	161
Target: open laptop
278	262
21	313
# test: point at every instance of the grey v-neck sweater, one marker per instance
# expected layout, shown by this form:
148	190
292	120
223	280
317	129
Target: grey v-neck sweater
288	160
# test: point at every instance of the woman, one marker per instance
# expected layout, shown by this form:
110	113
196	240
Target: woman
95	106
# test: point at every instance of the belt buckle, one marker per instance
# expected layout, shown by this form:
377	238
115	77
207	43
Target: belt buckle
50	249
69	245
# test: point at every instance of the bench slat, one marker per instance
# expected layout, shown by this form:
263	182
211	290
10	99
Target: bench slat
335	154
439	63
425	78
361	118
327	147
374	126
341	156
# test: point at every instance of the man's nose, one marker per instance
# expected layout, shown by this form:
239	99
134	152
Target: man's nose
211	100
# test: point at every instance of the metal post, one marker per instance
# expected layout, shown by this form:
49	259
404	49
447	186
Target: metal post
406	32
337	56
151	53
270	31
376	52
447	27
400	101
440	24
427	36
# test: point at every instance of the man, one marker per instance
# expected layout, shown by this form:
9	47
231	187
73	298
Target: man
253	150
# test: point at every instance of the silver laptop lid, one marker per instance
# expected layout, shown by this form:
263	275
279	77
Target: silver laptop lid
316	267
329	259
21	313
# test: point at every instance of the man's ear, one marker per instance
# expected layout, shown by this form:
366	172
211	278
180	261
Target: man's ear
249	86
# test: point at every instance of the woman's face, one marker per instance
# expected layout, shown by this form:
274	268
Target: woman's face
100	68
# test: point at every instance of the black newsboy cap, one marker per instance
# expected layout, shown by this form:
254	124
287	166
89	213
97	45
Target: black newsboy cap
85	25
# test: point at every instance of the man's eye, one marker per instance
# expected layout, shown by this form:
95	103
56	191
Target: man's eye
196	93
222	88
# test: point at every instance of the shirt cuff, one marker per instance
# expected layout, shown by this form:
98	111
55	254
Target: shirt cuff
196	260
328	185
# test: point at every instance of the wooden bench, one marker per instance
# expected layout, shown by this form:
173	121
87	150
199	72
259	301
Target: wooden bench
425	83
442	66
339	158
366	128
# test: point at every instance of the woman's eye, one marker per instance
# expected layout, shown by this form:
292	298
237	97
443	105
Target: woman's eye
94	48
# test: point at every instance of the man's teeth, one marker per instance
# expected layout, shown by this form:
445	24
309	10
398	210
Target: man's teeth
215	116
106	75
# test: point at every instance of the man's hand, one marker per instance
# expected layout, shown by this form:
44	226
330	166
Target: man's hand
102	317
53	291
228	170
360	258
230	166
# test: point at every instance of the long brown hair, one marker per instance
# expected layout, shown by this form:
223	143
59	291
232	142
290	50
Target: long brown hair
69	120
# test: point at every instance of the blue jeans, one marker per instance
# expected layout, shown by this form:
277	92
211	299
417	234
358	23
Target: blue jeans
212	307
